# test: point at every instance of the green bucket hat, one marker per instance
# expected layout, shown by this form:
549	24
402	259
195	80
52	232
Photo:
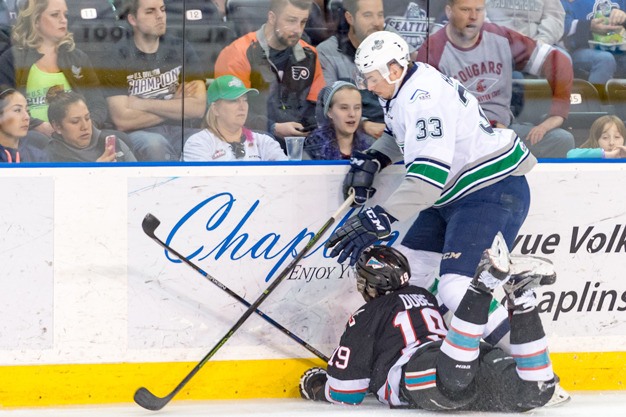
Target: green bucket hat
227	87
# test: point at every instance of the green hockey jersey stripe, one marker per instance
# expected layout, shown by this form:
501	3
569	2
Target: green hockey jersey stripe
431	173
485	172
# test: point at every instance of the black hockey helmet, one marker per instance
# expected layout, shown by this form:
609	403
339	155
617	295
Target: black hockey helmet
381	270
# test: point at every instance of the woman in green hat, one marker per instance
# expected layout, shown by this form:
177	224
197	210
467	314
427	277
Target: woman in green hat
224	137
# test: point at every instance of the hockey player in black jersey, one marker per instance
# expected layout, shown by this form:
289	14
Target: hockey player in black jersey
397	346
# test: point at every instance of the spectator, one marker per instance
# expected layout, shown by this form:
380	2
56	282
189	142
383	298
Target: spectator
540	20
482	57
339	115
43	55
147	95
337	56
75	138
585	20
224	137
398	348
14	122
284	68
606	140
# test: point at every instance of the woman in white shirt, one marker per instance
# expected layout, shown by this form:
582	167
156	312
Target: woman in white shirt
224	137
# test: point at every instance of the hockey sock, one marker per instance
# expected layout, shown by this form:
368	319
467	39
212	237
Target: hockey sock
529	347
467	326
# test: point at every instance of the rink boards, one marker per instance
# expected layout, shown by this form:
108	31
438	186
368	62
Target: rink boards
92	308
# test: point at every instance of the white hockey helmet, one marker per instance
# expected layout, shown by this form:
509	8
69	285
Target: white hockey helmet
379	50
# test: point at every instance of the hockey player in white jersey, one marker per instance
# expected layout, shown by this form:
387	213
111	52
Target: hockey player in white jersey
464	178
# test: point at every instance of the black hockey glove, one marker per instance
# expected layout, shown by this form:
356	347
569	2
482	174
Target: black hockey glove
363	168
359	232
312	384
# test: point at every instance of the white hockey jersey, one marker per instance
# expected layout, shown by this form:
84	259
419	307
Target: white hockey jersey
449	146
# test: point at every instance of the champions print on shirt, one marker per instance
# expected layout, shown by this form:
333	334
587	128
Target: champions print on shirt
154	84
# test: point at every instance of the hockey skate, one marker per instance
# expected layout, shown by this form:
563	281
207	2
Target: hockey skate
493	268
527	273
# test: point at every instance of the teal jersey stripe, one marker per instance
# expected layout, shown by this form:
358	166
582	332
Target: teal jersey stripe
348	397
484	172
420	380
462	341
541	360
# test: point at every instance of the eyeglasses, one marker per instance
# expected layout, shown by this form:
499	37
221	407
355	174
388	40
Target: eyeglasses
238	149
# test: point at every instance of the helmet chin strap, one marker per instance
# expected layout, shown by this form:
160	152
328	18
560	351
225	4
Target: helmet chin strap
396	83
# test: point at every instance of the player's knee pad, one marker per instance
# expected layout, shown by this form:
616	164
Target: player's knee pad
424	266
452	288
423	387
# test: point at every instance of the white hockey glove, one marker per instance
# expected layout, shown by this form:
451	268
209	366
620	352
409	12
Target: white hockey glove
313	383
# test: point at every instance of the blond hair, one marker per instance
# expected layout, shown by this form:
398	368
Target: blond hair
25	33
210	121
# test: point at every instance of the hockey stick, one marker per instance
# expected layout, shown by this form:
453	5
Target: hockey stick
149	401
149	225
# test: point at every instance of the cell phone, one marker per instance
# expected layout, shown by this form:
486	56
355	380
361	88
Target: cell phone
308	128
109	142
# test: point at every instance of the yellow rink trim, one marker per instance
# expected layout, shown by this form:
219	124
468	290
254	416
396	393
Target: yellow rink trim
47	385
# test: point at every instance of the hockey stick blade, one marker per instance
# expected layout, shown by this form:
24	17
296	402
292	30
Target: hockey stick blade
149	401
151	223
146	399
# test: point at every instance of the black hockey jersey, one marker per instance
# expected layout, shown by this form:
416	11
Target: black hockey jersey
379	339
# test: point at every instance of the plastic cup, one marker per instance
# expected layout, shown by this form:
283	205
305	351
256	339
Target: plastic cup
294	147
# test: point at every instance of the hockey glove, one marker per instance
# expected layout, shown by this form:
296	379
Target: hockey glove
359	232
313	384
363	168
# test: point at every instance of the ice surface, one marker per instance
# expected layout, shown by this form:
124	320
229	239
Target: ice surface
583	404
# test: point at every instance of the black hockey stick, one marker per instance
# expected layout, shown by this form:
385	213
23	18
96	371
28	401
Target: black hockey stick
149	225
149	401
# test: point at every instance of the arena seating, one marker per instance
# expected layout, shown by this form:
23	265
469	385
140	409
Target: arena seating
199	22
616	95
532	99
95	25
585	107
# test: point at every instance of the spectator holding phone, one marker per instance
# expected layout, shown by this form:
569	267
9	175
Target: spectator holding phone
14	122
338	114
606	140
224	137
75	138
